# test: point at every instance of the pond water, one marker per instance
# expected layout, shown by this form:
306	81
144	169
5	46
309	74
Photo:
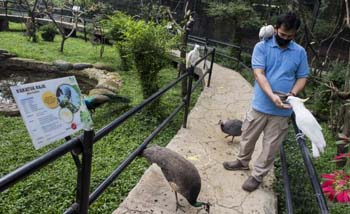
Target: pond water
11	78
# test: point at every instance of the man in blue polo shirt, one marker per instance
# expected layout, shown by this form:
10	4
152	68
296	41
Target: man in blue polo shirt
280	66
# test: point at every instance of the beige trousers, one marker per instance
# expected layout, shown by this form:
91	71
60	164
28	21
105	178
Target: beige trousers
275	129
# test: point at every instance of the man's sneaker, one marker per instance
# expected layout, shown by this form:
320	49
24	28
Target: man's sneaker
250	184
234	165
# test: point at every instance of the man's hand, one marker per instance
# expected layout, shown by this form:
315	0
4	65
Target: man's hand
278	102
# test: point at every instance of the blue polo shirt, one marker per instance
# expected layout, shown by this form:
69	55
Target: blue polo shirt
282	68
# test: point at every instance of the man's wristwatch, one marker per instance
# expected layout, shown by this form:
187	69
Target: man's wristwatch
292	93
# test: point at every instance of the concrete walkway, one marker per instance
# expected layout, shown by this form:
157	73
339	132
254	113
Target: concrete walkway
203	143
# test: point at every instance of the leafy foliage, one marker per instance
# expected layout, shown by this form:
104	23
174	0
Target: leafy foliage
240	13
304	200
52	189
237	13
147	44
48	32
78	51
325	102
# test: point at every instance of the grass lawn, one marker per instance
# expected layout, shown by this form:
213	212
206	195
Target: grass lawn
52	189
75	50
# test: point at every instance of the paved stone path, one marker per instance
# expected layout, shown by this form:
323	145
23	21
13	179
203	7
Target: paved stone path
203	143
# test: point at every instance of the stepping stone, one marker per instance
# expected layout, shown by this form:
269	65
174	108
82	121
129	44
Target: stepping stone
63	65
81	66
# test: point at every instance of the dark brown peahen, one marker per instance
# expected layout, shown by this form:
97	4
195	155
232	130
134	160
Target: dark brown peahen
231	127
181	174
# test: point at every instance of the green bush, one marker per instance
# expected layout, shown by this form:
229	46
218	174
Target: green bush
48	32
325	104
145	43
304	200
115	26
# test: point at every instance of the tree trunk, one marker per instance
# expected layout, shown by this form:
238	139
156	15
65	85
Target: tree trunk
346	126
236	40
182	66
183	44
62	43
31	28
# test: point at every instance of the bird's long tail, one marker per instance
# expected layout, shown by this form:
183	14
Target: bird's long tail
315	151
318	143
117	98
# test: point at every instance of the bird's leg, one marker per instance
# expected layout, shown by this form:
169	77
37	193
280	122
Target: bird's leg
230	142
178	205
227	136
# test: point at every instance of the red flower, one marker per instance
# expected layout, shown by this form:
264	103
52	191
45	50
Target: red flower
343	197
339	157
328	176
336	186
327	183
347	196
330	192
342	156
73	126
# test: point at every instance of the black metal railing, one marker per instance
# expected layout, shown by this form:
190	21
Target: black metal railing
315	183
217	44
83	144
17	13
304	151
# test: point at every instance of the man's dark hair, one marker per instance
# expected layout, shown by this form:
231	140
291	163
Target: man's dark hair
289	21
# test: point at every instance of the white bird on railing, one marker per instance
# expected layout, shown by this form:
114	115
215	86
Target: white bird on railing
266	32
307	123
193	56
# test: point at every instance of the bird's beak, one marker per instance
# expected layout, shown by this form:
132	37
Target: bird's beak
304	100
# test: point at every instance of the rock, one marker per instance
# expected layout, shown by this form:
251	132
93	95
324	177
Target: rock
110	85
17	64
9	109
106	80
97	91
81	66
102	66
3	51
7	55
63	65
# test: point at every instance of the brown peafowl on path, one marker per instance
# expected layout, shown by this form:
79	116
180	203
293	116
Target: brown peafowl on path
181	174
231	127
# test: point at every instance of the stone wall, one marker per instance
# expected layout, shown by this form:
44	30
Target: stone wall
107	82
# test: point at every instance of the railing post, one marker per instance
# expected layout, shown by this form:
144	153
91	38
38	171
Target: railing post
289	204
5	4
211	66
87	145
239	57
205	54
188	96
321	201
85	37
